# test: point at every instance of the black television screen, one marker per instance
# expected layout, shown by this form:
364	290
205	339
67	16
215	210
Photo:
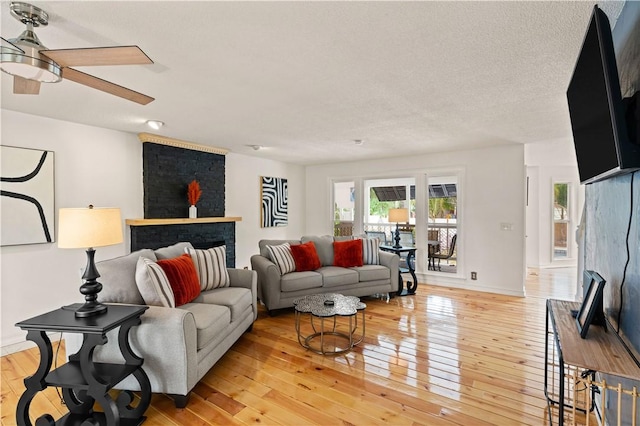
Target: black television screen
602	144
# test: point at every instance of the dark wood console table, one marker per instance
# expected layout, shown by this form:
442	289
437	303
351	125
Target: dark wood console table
83	381
411	254
601	351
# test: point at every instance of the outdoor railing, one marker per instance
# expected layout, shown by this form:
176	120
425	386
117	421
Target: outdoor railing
343	228
442	232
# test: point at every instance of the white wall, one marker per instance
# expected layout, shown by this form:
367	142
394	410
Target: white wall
92	166
104	168
548	163
242	198
494	184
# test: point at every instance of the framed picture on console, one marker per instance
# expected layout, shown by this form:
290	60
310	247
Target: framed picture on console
591	311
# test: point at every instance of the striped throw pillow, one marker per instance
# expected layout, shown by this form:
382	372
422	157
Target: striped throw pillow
281	256
211	266
370	255
153	284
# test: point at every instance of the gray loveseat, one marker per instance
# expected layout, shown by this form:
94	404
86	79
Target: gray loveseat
179	345
277	290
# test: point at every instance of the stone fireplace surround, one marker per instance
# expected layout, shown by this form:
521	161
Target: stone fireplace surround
168	167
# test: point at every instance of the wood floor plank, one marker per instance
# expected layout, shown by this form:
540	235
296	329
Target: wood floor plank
429	392
444	356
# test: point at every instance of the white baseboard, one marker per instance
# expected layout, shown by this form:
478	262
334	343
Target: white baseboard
24	345
462	283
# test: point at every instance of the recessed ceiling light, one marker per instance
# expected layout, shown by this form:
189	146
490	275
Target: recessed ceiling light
256	147
358	142
155	124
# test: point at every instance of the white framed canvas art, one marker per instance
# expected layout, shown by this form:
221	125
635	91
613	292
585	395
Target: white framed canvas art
27	207
274	199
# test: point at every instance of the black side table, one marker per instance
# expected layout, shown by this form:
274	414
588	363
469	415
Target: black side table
83	381
411	254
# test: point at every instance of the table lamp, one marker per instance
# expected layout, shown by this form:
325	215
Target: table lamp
88	228
398	215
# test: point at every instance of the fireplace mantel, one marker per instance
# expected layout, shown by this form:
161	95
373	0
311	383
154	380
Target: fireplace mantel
180	221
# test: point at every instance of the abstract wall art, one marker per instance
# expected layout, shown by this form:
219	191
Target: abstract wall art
26	196
273	192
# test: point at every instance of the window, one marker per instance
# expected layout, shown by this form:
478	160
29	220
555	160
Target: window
385	194
433	199
343	208
561	220
442	223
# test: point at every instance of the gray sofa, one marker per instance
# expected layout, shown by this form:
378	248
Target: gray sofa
179	345
277	290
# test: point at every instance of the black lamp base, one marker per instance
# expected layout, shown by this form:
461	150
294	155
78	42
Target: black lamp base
90	289
397	238
90	309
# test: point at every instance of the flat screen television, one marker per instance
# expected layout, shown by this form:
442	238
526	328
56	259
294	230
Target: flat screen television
602	142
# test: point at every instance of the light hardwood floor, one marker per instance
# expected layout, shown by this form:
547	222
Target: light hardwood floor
441	357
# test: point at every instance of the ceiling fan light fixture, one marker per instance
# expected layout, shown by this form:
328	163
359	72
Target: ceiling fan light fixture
155	124
25	66
29	63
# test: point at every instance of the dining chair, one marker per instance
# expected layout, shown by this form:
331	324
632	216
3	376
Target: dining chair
380	235
406	238
448	254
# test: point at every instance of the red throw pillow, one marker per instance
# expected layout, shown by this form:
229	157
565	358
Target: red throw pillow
305	256
347	253
183	278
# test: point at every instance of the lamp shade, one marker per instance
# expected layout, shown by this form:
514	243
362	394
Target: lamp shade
398	215
89	227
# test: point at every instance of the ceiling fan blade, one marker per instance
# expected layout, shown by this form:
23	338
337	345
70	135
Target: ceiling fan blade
23	86
6	44
117	55
105	86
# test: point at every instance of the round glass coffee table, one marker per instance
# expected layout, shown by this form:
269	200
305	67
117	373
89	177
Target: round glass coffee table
336	337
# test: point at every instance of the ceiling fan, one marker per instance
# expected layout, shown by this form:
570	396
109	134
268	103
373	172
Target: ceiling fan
31	63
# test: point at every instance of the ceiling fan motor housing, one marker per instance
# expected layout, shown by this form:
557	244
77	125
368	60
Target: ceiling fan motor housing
29	63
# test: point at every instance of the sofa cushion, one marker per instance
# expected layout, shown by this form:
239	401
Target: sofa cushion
370	255
324	248
372	273
237	299
281	256
347	253
153	284
334	276
172	251
183	278
295	281
117	277
209	319
262	245
211	267
306	257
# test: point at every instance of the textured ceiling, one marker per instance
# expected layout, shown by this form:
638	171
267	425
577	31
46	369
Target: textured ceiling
305	79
